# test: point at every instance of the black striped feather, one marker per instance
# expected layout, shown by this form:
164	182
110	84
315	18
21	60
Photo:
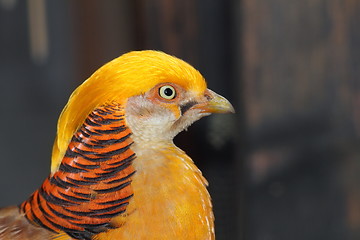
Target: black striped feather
93	182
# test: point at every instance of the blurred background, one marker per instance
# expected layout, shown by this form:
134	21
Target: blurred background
286	166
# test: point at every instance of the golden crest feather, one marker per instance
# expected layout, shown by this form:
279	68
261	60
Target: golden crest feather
131	74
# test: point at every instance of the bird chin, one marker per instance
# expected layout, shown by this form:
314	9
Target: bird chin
186	120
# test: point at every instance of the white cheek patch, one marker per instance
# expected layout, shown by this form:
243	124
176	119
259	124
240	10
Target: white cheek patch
139	106
149	121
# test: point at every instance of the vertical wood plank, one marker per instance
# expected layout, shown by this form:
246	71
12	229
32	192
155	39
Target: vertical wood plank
102	31
300	69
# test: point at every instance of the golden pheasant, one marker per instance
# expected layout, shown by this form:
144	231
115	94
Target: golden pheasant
115	171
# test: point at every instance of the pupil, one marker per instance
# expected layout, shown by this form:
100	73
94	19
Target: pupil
168	92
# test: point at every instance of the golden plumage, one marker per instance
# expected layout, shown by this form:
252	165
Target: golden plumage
131	74
115	172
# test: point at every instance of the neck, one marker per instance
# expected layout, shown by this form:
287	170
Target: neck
168	189
92	184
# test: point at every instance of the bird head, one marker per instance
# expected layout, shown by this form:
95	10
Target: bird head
161	95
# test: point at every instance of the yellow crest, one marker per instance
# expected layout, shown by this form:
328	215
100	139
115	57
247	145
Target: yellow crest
131	74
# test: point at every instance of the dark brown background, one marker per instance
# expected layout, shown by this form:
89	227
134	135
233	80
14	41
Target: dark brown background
286	166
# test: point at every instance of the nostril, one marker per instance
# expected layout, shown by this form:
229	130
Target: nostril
208	95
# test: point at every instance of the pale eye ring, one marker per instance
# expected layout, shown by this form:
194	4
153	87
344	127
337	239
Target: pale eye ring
167	92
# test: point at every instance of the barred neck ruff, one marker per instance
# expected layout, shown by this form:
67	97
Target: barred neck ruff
93	182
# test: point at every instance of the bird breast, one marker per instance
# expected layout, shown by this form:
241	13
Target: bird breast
168	190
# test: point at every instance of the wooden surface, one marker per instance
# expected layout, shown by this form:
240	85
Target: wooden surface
300	71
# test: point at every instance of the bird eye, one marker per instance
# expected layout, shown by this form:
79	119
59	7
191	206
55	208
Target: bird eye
167	92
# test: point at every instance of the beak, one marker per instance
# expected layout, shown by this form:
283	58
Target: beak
216	104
